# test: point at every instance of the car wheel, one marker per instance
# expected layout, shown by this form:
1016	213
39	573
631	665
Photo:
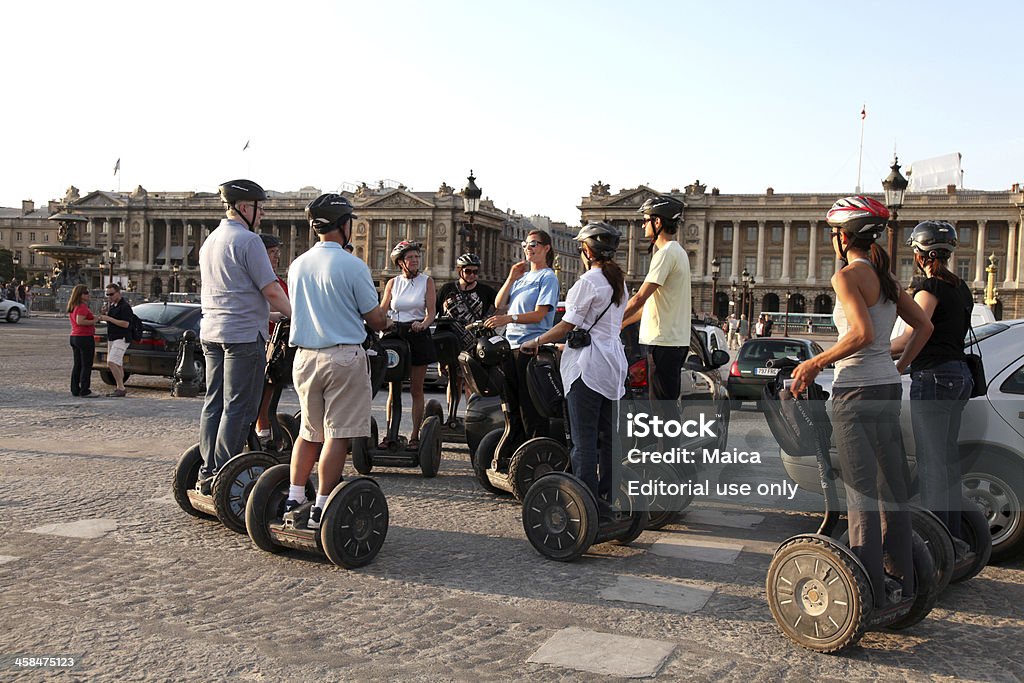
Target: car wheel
14	315
107	378
991	483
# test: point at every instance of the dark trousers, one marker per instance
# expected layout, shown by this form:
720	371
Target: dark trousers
665	364
83	349
592	429
873	463
534	424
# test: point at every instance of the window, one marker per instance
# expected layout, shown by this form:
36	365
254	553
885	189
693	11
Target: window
46	237
776	234
17	237
775	267
1014	384
907	232
826	234
993	233
421	230
801	235
378	259
963	269
88	228
103	228
120	228
31	237
726	264
906	271
380	230
800	267
826	266
751	233
964	235
1	236
400	228
750	263
727	233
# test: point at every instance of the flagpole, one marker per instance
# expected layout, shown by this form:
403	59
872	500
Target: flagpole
860	152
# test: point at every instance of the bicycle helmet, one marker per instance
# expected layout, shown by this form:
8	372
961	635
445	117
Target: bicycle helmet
329	212
859	217
467	260
402	248
933	239
241	191
603	239
668	209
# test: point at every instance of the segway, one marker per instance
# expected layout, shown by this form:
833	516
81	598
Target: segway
818	590
366	452
353	526
505	461
450	338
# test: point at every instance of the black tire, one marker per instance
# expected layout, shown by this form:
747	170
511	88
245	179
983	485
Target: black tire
108	378
430	446
355	523
811	608
290	426
361	458
13	314
998	489
533	460
186	473
939	543
927	593
234	484
483	458
548	517
661	513
661	519
975	530
265	505
433	407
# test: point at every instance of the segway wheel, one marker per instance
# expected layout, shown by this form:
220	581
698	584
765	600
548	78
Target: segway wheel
975	530
818	594
935	536
290	424
433	407
355	523
662	511
361	458
560	517
265	505
430	446
484	456
926	587
234	484
186	474
533	460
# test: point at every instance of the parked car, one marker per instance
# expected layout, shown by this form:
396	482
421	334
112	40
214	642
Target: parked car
991	439
750	372
713	337
157	354
12	311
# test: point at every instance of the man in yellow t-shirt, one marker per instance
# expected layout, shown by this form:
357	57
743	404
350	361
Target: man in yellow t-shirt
663	303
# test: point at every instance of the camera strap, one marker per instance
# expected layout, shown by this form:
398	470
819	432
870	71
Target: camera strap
600	316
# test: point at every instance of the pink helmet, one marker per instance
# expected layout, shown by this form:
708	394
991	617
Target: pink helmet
859	217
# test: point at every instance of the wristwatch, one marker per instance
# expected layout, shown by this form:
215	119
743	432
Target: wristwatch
515	317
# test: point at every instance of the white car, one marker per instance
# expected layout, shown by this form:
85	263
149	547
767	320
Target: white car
712	336
12	311
991	439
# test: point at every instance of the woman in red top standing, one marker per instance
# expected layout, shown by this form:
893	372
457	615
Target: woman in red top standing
83	327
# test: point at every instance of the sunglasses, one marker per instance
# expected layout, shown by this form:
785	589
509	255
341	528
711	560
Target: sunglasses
532	243
470	271
110	293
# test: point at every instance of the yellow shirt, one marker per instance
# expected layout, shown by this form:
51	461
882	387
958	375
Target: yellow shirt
666	316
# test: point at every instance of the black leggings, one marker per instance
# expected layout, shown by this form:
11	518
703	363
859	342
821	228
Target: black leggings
81	372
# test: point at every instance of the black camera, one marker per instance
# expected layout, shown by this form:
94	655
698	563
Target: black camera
578	339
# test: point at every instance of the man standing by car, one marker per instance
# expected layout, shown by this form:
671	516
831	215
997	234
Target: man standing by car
238	282
118	318
663	303
333	294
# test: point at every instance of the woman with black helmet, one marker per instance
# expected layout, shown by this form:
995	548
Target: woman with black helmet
866	395
940	381
466	300
593	374
409	300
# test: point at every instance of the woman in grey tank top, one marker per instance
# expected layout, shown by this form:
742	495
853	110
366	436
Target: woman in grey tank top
866	397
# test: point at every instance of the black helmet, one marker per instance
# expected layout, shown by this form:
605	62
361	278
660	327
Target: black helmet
931	237
859	217
328	212
242	191
669	209
467	260
603	239
492	350
270	241
402	248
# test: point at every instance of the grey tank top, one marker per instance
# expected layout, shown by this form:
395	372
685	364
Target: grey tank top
872	365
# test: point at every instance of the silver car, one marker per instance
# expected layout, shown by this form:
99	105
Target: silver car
991	439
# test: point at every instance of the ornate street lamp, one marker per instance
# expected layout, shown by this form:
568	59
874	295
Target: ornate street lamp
750	300
788	296
716	268
744	300
175	268
894	185
471	204
112	260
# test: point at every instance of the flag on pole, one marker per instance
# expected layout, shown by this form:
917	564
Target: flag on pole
117	166
863	112
246	146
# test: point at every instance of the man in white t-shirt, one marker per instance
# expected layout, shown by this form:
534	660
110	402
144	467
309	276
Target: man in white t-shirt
663	303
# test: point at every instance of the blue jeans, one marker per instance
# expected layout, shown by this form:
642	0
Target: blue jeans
937	400
234	381
592	429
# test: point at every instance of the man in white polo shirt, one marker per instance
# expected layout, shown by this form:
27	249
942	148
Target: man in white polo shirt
331	294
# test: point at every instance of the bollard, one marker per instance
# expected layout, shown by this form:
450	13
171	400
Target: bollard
184	384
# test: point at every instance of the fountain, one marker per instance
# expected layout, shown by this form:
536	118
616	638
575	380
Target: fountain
68	253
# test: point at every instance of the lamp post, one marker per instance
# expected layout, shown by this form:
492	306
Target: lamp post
175	268
733	293
471	204
112	261
894	185
716	269
786	331
744	301
750	299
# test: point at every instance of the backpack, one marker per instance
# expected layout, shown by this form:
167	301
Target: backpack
135	328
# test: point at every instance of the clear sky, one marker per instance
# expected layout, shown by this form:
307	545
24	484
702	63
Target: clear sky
540	99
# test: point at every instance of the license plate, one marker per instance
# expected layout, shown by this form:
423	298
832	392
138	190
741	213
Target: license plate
769	372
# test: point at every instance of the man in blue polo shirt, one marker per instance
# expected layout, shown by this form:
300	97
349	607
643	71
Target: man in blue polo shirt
331	294
238	282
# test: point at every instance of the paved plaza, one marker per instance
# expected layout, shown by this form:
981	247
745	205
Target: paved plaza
99	563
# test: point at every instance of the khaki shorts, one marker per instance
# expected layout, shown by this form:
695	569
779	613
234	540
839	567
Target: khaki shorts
115	351
333	385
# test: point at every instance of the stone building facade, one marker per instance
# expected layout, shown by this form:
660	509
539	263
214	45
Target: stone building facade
782	240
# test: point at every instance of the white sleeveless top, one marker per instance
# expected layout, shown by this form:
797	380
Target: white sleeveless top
408	299
872	365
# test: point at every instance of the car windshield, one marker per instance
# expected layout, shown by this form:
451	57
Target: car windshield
161	314
985	331
764	350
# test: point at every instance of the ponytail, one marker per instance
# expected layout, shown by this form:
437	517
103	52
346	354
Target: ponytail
940	267
613	274
880	260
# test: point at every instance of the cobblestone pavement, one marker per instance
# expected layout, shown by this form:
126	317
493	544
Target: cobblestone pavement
457	593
